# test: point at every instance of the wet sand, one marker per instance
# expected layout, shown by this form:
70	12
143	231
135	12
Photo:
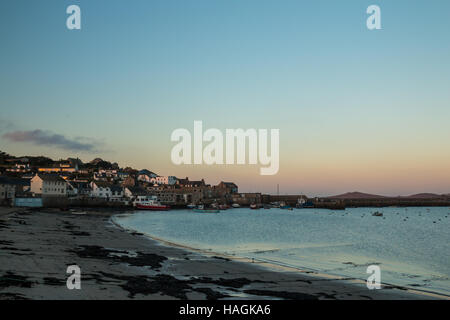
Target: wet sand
36	246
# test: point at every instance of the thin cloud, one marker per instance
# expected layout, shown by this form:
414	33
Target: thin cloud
45	138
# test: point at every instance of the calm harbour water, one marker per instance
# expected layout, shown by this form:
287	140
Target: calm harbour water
411	245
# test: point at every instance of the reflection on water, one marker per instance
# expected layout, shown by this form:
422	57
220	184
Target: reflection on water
411	245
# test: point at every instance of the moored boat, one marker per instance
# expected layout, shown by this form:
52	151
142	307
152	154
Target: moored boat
201	209
254	206
285	206
235	205
149	203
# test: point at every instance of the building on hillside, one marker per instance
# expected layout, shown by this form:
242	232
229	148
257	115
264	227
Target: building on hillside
20	167
164	180
60	166
78	188
228	187
188	183
146	175
133	192
8	189
122	175
101	189
117	193
129	182
48	185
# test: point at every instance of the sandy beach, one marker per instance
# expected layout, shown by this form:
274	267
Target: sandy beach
36	246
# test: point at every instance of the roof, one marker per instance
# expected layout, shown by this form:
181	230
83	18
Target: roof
51	178
229	184
147	172
137	191
15	181
103	184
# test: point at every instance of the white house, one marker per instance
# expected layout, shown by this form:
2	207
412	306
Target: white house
166	180
107	191
50	185
101	189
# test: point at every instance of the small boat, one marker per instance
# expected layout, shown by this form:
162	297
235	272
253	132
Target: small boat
300	203
235	205
254	206
275	204
377	214
285	206
149	203
191	206
223	207
266	206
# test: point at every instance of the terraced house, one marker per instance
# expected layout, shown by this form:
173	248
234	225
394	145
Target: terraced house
48	185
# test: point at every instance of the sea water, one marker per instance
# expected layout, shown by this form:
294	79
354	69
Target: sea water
411	245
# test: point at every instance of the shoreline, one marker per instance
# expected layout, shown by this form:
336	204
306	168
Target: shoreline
280	267
38	245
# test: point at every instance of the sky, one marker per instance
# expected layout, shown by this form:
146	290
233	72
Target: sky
357	109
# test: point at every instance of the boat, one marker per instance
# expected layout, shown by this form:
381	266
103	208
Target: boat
201	209
149	203
300	203
285	206
254	206
235	205
190	206
275	204
266	206
223	207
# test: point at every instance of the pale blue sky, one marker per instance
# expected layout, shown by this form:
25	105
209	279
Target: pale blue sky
140	69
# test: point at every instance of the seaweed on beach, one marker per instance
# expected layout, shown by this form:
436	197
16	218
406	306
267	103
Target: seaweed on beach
20	221
10	279
230	283
211	294
12	296
15	249
70	226
50	281
80	233
282	294
139	260
163	284
221	258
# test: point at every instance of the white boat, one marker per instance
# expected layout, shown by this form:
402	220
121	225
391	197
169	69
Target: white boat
235	205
